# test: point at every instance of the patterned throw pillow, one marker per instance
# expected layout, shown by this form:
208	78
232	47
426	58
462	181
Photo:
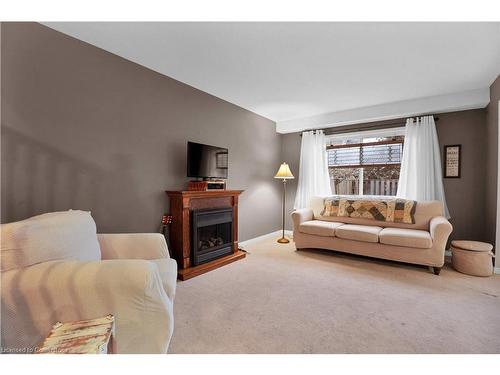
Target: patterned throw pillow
331	207
393	210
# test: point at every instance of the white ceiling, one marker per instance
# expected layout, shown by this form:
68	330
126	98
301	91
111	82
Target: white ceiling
289	71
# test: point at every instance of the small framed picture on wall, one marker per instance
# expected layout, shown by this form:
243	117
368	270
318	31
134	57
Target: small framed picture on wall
452	161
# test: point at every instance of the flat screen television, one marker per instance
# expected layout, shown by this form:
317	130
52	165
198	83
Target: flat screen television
205	161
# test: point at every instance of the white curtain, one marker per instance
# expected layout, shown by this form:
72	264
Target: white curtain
314	179
421	175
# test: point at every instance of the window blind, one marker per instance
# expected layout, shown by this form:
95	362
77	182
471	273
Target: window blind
365	154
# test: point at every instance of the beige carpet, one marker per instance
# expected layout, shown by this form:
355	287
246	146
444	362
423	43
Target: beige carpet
278	300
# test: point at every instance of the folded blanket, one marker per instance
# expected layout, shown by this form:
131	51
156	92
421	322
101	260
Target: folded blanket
392	210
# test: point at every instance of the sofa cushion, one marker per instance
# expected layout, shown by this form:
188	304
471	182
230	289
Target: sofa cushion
406	237
68	235
319	227
364	233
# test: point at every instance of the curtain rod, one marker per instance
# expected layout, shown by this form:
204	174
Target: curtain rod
366	126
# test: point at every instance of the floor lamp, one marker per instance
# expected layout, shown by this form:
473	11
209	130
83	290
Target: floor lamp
285	174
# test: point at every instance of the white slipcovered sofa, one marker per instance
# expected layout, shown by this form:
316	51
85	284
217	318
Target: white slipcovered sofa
54	267
423	242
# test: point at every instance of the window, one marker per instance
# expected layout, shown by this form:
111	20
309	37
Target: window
365	165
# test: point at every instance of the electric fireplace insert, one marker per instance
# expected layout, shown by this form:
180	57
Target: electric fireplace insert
212	234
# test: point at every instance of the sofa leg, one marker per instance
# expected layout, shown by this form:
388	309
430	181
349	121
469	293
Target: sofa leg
436	270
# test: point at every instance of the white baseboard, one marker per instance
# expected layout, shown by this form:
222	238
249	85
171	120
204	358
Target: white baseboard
251	241
497	270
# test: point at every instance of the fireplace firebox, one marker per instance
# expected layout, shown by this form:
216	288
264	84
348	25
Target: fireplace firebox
212	234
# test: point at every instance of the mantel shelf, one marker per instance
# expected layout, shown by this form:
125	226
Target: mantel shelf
203	194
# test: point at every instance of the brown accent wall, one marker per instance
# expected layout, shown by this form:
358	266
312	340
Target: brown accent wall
85	129
492	160
465	196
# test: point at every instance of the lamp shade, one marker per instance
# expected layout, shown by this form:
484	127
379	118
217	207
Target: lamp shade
284	172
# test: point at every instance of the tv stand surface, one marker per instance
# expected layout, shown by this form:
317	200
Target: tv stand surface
181	205
206	185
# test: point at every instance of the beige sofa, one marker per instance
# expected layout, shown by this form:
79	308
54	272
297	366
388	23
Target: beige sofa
421	243
54	267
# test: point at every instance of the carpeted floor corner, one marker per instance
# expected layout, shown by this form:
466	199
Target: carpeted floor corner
279	300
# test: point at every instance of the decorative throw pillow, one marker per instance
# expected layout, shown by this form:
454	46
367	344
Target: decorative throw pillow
363	208
331	207
393	210
66	235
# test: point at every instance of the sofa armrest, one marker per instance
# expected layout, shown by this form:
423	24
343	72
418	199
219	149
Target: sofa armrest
133	246
34	298
440	229
300	216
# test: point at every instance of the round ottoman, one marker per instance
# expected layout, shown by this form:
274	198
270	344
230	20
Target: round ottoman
472	257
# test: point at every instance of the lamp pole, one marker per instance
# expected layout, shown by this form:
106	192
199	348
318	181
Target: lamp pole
283	239
284	173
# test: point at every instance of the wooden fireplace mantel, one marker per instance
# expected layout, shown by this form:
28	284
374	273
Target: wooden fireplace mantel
182	203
